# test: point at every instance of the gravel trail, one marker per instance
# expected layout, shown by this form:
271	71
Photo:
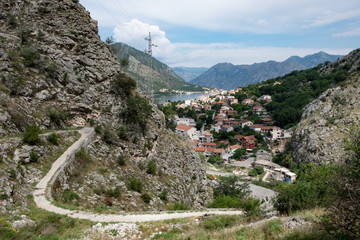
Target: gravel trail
42	202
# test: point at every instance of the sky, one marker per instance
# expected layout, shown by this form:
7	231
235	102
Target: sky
202	33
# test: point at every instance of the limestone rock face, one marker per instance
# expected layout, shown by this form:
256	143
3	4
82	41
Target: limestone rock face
56	72
326	121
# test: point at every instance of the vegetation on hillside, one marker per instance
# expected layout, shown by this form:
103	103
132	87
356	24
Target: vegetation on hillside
292	92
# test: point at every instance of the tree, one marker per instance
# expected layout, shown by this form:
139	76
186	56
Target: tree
239	153
343	221
231	186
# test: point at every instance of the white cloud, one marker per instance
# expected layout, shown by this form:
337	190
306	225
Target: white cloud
350	33
257	16
204	55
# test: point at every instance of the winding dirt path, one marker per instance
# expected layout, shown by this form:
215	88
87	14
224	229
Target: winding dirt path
42	202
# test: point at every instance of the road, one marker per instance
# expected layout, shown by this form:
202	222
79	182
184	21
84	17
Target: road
42	202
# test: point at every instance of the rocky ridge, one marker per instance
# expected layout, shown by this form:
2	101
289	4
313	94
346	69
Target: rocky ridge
326	121
56	72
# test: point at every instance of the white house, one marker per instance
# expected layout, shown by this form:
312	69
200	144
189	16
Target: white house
189	130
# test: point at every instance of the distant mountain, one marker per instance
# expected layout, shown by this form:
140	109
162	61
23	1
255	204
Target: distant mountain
139	69
228	76
189	73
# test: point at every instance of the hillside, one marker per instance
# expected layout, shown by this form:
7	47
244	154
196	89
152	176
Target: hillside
56	75
189	73
139	69
329	119
228	76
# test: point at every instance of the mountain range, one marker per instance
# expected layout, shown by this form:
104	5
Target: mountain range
189	73
228	76
141	66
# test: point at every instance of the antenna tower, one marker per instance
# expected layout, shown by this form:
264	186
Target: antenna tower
149	51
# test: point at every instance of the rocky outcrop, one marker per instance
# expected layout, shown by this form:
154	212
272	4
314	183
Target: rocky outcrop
326	121
56	72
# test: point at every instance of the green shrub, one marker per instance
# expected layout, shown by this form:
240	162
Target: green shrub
122	134
252	207
137	112
135	184
33	157
52	138
122	160
151	167
12	173
31	56
146	197
178	206
57	116
31	135
98	129
115	193
164	195
108	136
69	196
123	84
219	222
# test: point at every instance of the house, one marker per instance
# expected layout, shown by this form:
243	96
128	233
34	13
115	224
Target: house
266	121
248	101
232	113
226	128
245	122
259	110
238	137
225	142
199	149
185	121
196	143
189	130
249	145
233	148
206	138
275	132
216	127
265	98
209	144
256	127
247	138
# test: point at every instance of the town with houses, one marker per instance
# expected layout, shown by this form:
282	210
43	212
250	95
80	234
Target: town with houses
230	127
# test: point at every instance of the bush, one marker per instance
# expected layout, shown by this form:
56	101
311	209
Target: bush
122	134
122	160
57	116
115	193
219	222
179	206
53	139
135	184
31	135
123	84
252	207
146	197
164	195
33	157
151	167
231	186
69	196
137	111
31	56
108	137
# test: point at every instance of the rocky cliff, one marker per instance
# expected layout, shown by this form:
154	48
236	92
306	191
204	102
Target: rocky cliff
326	121
55	72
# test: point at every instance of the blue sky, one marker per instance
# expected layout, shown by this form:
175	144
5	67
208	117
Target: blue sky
203	33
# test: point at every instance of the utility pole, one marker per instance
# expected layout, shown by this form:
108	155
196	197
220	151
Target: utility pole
149	51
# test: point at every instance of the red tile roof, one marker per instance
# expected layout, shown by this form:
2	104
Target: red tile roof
183	127
199	149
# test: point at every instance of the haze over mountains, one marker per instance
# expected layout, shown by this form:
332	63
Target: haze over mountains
189	73
228	76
